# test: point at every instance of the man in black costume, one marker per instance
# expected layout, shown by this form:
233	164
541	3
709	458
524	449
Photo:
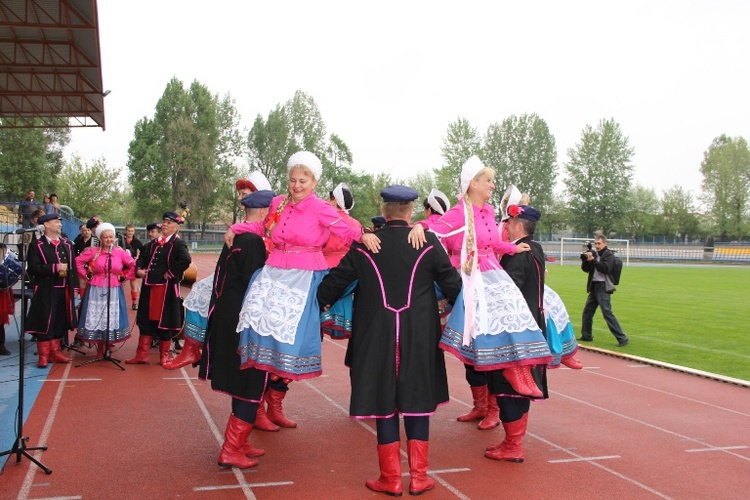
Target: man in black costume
51	263
396	364
220	361
527	272
161	266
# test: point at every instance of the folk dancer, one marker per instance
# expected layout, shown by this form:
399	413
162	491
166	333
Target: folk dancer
52	264
161	266
396	365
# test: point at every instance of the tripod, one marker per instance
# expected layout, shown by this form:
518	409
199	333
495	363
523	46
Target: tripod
19	446
106	355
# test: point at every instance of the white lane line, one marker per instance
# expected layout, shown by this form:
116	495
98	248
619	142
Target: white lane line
437	478
582	459
717	448
449	471
235	486
70	380
646	424
672	394
246	489
28	480
61	498
604	468
180	378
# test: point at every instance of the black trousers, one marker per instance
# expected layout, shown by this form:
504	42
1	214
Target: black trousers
599	298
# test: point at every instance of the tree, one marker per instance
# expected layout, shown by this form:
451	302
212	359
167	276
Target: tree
523	153
422	182
231	150
294	126
186	153
89	189
678	218
555	217
31	159
460	142
641	217
269	146
726	185
599	172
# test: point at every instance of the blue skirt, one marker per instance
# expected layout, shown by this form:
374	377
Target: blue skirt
195	326
337	321
560	334
561	343
297	361
95	304
498	349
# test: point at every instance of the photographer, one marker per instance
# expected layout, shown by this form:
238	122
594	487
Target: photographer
599	261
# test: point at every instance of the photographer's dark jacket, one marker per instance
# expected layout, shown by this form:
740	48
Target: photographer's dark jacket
605	264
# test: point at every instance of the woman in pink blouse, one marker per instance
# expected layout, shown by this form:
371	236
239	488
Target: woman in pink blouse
280	317
107	270
498	332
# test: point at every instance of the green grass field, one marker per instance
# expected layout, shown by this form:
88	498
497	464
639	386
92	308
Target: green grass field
689	316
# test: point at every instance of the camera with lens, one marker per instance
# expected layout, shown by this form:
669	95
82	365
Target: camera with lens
588	249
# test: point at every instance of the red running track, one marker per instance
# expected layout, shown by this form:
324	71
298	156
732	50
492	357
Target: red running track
618	428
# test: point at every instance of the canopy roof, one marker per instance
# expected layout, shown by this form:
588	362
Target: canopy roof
50	64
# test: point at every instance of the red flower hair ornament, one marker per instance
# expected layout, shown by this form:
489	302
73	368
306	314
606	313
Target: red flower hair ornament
515	210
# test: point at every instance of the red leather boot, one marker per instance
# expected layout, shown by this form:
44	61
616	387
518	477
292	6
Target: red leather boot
261	419
511	449
54	352
141	353
164	347
42	347
420	481
389	459
480	405
519	380
235	437
189	355
571	362
275	412
492	419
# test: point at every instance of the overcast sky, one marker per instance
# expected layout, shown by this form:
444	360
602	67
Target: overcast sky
389	76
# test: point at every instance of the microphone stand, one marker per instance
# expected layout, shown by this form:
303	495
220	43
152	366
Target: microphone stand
19	445
106	356
65	343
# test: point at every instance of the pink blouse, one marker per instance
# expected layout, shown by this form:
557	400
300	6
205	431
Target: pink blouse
301	232
335	248
120	259
486	230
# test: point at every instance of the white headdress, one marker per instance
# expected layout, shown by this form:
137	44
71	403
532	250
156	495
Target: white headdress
259	181
512	196
470	170
338	195
104	226
432	201
307	159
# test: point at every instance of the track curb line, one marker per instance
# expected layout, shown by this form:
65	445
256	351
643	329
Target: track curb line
669	366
